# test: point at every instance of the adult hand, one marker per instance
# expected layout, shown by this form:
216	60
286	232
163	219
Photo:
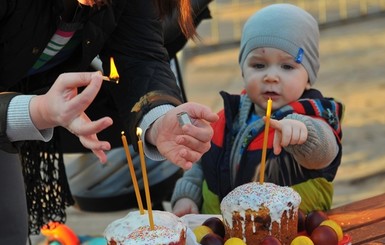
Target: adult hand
184	206
63	106
183	145
288	132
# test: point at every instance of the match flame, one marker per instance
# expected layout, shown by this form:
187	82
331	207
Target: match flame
114	75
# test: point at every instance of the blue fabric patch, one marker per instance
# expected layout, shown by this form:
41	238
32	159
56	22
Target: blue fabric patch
299	56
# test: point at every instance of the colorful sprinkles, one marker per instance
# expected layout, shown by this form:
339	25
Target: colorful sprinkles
134	228
255	196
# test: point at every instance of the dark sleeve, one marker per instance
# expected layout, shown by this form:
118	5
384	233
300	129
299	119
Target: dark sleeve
5	143
4	5
142	62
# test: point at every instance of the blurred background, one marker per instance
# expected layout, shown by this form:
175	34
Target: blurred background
228	16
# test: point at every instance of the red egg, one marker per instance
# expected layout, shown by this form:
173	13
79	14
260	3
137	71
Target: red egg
314	219
216	225
212	239
324	235
270	240
301	220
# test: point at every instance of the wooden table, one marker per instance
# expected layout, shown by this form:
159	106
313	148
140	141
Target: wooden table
363	220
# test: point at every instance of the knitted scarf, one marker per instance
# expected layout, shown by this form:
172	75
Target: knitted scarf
248	125
47	190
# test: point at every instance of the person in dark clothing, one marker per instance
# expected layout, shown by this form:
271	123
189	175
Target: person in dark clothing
47	47
279	60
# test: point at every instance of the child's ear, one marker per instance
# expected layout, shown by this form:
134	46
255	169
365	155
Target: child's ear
308	86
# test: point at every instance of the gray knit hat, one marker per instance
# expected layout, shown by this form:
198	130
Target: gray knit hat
285	27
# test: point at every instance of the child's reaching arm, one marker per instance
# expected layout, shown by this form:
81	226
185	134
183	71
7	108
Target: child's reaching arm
310	140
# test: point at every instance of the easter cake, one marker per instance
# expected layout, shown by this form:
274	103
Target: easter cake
253	211
134	228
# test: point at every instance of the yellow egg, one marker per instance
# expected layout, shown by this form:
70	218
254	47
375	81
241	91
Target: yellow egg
201	231
302	240
335	226
234	241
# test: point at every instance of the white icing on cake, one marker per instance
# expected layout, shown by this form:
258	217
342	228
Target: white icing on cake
134	228
253	195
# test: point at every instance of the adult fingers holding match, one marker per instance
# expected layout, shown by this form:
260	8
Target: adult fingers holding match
62	103
63	106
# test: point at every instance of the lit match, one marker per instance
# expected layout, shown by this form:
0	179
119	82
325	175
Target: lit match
113	80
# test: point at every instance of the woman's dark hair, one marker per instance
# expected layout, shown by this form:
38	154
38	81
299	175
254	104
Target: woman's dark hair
166	8
183	10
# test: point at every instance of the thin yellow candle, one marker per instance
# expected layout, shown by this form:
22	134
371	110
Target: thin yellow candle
265	137
145	179
132	172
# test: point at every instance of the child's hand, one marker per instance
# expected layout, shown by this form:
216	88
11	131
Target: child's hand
288	132
185	206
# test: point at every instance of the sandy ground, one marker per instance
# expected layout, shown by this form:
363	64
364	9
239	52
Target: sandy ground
352	71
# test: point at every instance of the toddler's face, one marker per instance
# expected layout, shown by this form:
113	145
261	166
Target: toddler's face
273	73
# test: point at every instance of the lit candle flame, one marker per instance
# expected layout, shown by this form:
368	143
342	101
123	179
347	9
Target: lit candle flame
139	132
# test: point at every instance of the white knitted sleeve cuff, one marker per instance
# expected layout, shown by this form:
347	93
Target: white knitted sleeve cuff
19	123
150	150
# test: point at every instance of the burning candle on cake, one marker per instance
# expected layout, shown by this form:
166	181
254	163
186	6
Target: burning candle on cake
265	138
145	178
132	172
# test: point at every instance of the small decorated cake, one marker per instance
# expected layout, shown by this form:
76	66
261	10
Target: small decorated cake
134	228
253	211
